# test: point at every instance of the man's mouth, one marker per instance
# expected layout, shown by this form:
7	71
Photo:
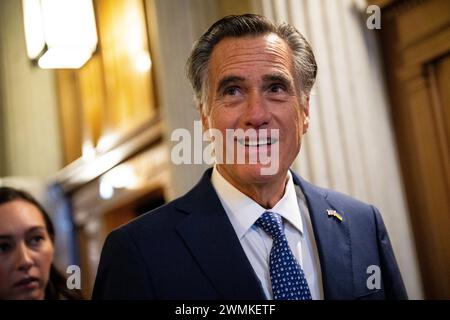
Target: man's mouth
257	142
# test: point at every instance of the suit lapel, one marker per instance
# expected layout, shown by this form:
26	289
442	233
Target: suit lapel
333	242
212	241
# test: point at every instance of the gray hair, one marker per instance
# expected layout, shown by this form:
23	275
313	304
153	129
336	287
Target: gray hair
249	25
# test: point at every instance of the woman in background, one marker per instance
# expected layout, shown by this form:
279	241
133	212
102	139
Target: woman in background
26	251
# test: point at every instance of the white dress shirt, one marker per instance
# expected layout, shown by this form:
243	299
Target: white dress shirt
243	213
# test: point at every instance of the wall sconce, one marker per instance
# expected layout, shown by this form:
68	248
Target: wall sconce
60	33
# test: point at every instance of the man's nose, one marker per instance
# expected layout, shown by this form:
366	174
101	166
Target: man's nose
24	258
256	114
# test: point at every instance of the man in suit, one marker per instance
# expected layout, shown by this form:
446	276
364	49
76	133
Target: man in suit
241	234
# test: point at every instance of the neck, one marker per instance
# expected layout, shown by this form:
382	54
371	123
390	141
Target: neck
266	194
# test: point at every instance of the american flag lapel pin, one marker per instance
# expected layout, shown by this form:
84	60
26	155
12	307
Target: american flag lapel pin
333	213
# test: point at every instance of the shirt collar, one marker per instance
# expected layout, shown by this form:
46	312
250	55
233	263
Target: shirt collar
244	211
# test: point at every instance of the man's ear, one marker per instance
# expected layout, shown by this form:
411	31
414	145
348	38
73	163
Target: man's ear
306	115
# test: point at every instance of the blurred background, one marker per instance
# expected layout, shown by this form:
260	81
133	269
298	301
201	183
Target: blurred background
90	92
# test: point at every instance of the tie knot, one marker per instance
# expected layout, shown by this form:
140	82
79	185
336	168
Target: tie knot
272	224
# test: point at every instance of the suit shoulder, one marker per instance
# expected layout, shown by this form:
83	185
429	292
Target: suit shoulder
358	212
344	203
347	200
331	195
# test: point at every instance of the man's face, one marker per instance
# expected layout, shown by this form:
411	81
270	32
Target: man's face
252	86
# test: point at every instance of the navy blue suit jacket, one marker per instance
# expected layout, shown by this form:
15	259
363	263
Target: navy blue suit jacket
187	249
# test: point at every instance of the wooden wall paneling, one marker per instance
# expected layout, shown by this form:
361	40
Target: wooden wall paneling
439	87
109	105
416	20
428	49
112	96
440	77
125	51
69	115
432	191
81	103
92	99
403	118
416	42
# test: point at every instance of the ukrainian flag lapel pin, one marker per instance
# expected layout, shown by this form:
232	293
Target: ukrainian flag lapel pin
333	213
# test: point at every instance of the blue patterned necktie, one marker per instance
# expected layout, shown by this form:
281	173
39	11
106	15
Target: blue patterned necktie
286	275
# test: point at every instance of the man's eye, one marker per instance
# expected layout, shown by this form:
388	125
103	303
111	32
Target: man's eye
231	91
5	247
277	88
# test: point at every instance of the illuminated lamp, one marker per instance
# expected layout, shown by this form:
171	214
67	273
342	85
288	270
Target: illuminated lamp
60	33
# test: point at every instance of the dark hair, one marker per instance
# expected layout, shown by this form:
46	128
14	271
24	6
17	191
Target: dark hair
249	25
56	287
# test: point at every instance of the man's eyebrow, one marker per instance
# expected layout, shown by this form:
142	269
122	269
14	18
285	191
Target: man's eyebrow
5	237
227	80
276	77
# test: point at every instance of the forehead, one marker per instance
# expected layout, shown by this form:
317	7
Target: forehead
18	216
249	54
